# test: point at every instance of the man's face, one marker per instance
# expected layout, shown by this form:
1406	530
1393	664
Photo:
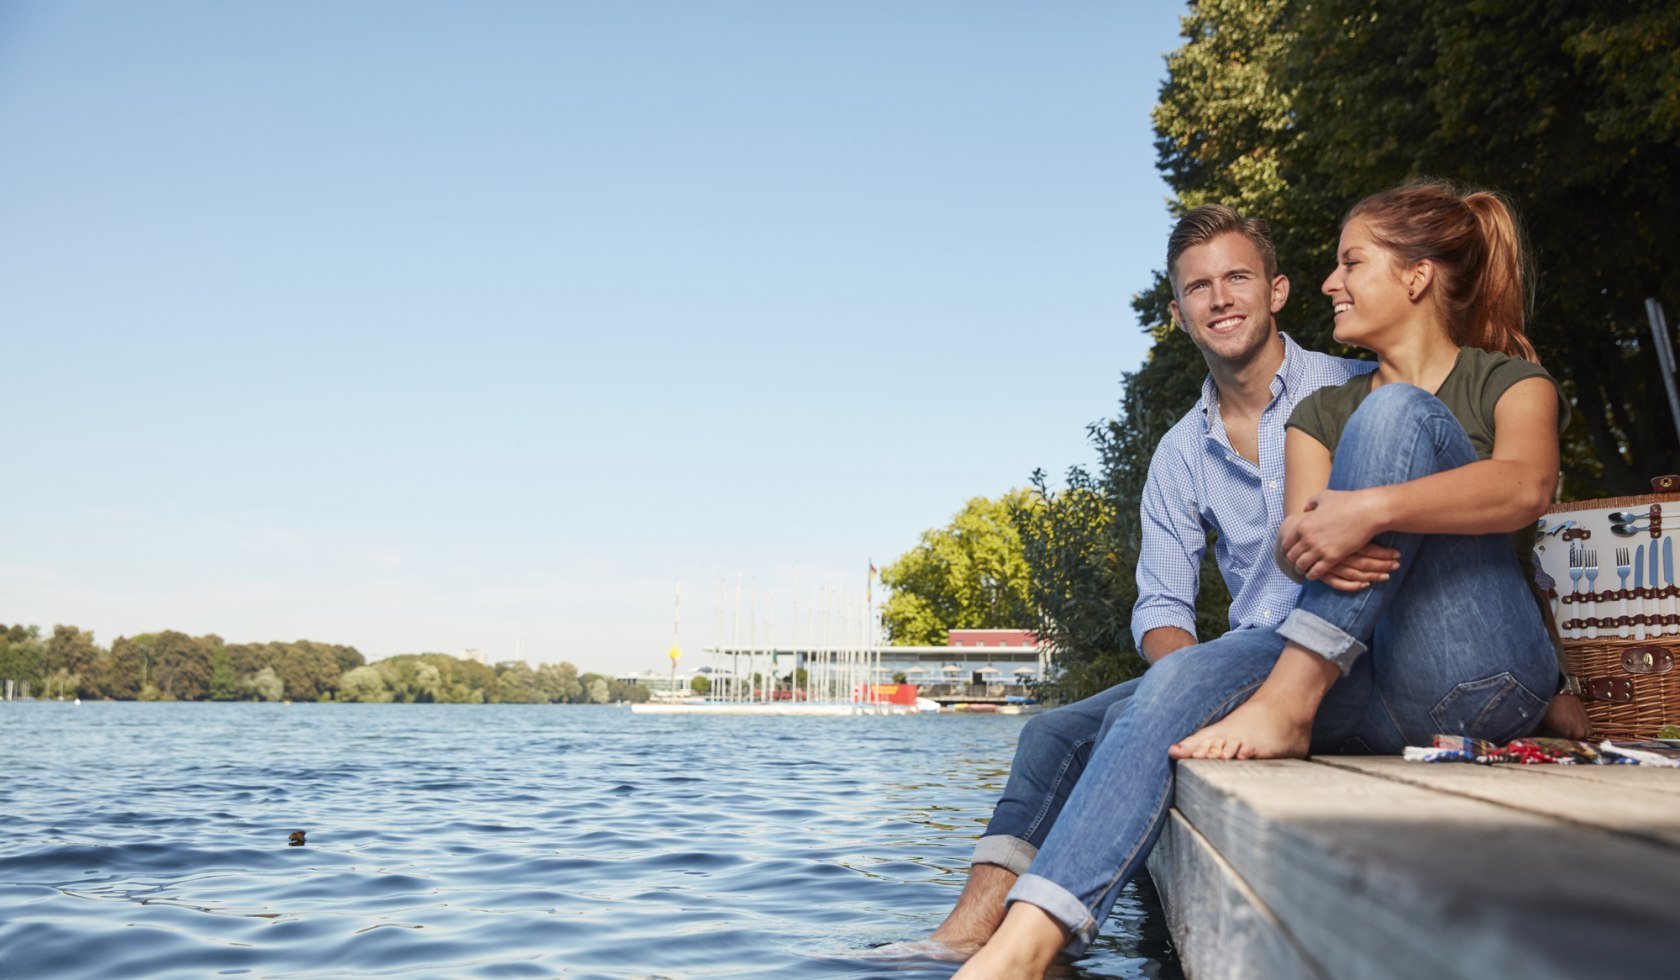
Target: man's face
1223	301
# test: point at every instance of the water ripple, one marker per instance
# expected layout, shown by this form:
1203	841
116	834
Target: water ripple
495	841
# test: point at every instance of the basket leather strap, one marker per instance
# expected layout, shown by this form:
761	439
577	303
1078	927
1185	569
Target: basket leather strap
1616	690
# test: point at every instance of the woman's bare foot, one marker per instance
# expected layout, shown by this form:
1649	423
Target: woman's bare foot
1257	729
1022	949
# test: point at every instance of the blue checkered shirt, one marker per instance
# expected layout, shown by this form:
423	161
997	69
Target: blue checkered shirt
1197	483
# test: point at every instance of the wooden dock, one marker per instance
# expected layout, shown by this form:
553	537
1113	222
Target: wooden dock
1357	866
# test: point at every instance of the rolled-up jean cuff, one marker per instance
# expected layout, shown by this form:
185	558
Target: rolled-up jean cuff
1061	905
1321	637
1009	853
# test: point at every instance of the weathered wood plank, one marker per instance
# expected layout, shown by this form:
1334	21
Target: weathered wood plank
1615	805
1379	878
1656	779
1221	928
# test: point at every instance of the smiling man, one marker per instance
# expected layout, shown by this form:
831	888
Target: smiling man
1219	469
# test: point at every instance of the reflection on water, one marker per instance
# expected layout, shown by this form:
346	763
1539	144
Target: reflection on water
146	839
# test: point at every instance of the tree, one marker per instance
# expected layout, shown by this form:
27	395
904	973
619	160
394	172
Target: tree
265	685
124	673
559	683
363	684
701	685
1294	110
516	683
310	670
180	665
599	691
968	575
23	658
71	650
224	684
1291	111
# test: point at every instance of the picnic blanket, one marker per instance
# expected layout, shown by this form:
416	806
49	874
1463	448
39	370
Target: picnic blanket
1538	751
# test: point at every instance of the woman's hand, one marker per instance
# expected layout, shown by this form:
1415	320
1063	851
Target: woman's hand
1331	540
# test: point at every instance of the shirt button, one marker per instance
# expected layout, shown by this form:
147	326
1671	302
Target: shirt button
1274	484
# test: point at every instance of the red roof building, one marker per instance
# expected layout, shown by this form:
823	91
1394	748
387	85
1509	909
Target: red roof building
991	638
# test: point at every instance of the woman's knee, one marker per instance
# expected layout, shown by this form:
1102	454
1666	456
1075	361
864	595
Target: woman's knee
1398	433
1394	405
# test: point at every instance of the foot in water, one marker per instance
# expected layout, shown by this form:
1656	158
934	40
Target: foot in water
922	949
1257	729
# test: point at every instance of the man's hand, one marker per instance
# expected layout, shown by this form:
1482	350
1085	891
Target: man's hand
1566	717
1335	525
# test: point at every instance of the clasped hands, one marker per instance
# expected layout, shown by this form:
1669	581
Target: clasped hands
1331	542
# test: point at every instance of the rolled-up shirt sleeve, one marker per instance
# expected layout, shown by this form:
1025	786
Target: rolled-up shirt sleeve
1170	554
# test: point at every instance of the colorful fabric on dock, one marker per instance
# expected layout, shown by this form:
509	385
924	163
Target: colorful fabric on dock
1542	751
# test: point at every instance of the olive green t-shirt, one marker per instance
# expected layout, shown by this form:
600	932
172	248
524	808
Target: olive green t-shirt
1478	379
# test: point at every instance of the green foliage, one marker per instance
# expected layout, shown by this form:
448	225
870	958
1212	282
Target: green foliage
701	685
264	685
71	650
179	665
970	574
559	683
1292	110
365	684
23	658
516	683
170	666
224	685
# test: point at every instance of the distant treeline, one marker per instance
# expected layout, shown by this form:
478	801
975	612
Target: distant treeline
171	666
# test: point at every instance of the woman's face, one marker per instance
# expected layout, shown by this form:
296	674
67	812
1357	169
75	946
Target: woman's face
1367	294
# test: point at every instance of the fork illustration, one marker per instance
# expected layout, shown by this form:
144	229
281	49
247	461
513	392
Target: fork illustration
1592	590
1577	565
1624	566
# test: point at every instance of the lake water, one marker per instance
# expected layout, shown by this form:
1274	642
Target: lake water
498	840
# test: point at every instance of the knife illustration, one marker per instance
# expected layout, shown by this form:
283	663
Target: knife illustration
1668	571
1656	603
1639	583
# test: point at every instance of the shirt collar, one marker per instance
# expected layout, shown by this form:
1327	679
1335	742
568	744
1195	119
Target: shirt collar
1288	373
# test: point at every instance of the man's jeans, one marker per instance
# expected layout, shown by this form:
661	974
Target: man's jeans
1455	645
1049	756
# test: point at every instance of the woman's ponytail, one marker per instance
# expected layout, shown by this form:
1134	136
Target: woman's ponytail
1483	280
1503	292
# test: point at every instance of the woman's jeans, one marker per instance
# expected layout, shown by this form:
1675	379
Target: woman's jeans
1452	643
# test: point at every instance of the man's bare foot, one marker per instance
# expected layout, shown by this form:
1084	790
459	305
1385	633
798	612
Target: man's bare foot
1257	729
921	949
976	916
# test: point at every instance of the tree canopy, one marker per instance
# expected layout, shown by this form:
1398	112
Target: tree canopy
969	574
172	666
1293	110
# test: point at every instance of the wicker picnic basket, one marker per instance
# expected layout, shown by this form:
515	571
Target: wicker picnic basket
1621	641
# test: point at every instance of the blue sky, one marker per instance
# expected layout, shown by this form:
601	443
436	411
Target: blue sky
436	326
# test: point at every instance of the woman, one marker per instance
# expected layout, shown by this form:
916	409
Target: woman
1445	453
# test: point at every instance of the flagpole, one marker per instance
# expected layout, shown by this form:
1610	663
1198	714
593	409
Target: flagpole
676	627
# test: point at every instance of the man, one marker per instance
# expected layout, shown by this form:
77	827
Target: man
1219	468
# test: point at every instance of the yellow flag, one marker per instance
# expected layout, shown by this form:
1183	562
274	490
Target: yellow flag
674	653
